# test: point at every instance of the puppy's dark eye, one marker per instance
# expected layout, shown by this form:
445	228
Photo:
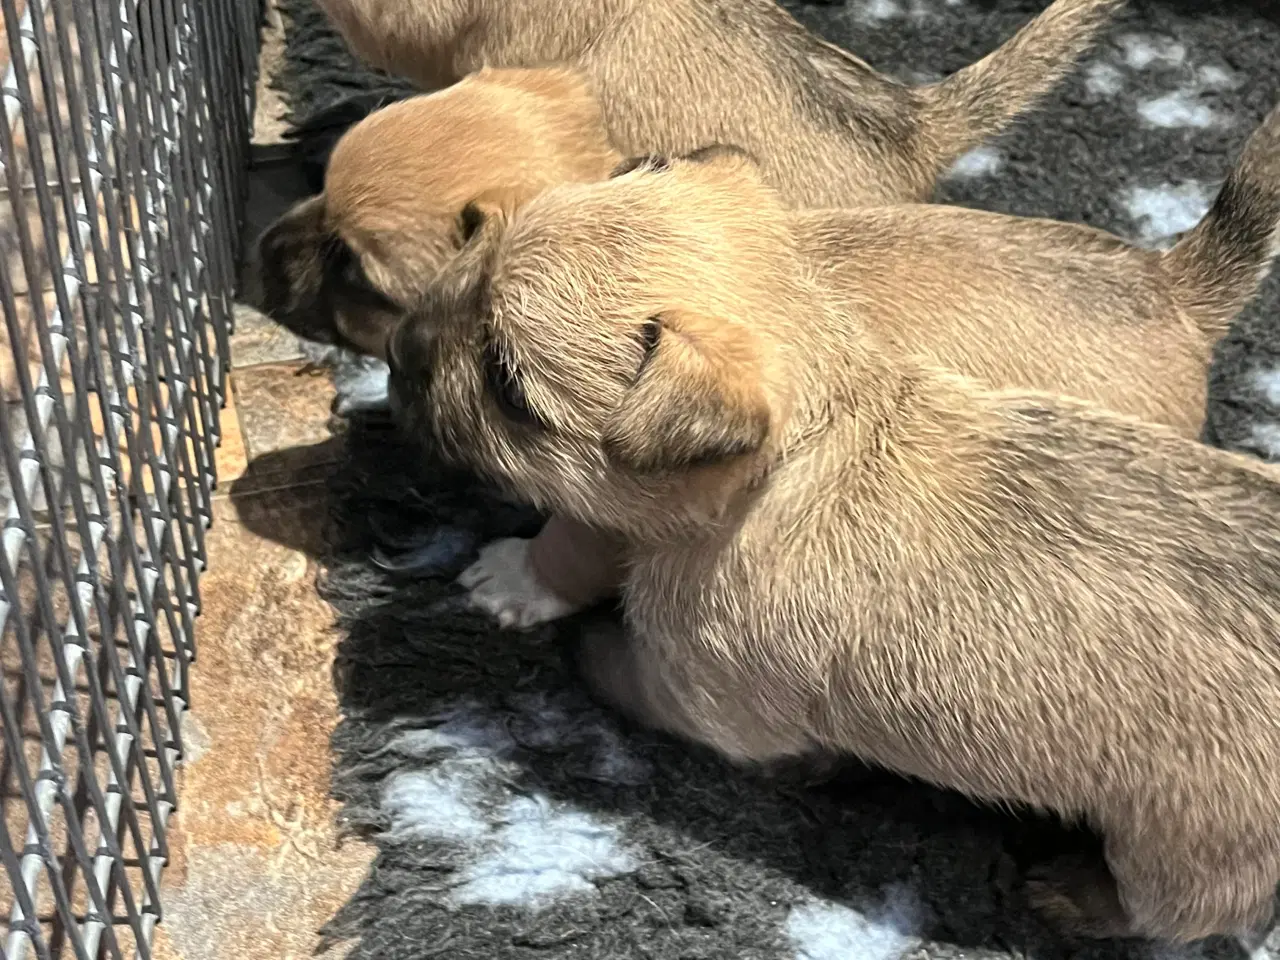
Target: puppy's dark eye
469	221
505	388
353	283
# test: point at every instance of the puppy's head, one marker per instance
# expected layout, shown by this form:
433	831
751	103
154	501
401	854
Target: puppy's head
401	192
609	352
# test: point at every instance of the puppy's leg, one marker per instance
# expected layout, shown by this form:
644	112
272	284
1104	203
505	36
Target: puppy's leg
566	568
1160	891
663	691
617	675
1078	895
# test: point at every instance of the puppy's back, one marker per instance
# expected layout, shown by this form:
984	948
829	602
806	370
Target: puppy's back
1018	302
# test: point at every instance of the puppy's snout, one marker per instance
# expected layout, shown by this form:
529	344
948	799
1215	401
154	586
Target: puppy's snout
267	285
253	277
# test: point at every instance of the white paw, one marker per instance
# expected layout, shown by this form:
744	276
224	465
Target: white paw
502	583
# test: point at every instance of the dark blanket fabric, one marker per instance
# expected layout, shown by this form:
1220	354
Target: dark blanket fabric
514	819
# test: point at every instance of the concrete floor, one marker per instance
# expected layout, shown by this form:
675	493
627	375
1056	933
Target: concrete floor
258	866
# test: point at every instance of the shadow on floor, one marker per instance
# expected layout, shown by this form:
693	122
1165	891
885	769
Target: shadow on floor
724	850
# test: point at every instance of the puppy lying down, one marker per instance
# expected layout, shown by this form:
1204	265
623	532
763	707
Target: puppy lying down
673	75
835	547
1017	302
1014	302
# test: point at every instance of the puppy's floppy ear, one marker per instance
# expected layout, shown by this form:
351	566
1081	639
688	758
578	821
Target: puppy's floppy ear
696	400
490	211
461	287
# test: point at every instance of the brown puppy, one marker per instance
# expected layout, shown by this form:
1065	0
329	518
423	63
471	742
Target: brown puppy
338	267
1015	302
673	75
835	548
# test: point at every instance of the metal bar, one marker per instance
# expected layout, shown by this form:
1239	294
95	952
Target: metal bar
134	122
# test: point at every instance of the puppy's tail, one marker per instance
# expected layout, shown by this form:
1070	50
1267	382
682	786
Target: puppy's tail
982	99
1219	264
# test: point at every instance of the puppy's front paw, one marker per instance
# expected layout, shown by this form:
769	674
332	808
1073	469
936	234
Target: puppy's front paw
502	583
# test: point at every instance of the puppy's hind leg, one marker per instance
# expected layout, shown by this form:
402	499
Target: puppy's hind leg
1156	890
669	694
621	678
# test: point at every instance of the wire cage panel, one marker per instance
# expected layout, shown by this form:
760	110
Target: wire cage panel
123	145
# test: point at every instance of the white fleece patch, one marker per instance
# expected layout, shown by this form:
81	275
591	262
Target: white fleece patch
1142	52
516	849
877	11
541	854
1217	78
1103	79
434	803
1265	439
1181	108
1267	382
1163	212
982	161
826	931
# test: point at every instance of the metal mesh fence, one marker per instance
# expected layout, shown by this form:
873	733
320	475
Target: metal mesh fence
123	142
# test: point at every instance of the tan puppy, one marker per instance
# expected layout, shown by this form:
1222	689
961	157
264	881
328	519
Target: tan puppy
831	547
338	267
673	75
1015	302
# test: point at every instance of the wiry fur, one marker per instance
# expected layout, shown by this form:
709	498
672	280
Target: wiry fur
1020	596
673	75
1223	260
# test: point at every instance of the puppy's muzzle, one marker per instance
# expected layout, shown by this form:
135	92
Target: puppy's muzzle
266	287
284	280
